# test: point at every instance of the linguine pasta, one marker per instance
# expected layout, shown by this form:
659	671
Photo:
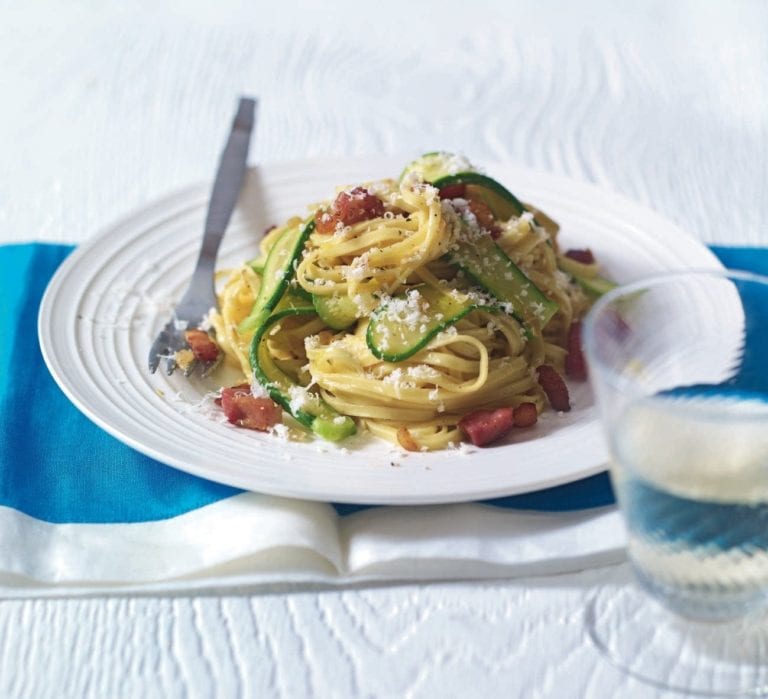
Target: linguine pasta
382	265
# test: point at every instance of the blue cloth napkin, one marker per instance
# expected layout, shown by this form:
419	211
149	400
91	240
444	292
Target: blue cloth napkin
57	466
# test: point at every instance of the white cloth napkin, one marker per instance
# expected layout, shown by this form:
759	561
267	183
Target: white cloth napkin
253	541
58	477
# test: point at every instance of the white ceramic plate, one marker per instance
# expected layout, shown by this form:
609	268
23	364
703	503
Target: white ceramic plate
111	296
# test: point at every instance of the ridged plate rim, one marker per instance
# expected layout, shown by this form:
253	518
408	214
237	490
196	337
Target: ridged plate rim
101	366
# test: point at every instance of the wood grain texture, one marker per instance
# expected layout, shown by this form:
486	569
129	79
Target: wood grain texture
112	107
494	639
109	105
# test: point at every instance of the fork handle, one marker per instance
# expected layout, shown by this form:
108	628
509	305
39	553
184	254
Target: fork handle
200	295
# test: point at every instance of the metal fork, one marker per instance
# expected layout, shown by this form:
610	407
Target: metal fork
200	295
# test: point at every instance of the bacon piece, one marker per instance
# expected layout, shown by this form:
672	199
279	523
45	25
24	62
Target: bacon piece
485	426
349	207
584	256
325	221
406	440
477	206
454	191
203	346
554	387
526	415
245	410
575	364
482	213
325	337
358	205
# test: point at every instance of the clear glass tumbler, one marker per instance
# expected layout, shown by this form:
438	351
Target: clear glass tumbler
679	364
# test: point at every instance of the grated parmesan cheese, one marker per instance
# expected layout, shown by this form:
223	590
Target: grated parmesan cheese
447	334
455	163
258	391
422	371
298	397
280	431
360	268
408	311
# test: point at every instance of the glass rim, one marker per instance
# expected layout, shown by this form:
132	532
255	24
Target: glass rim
588	337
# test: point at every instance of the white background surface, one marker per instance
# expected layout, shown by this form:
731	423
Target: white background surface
106	106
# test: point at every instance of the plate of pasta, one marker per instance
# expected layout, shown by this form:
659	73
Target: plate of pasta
399	331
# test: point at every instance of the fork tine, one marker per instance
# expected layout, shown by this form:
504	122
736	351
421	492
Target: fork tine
208	367
157	351
169	341
189	368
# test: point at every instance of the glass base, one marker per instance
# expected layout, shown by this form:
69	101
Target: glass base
650	643
704	603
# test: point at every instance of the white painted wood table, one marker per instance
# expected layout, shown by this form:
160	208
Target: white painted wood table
107	106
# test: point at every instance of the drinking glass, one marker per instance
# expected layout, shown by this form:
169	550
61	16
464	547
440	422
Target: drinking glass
679	365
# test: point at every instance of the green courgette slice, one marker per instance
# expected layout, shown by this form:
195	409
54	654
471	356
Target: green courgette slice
337	312
593	284
480	258
502	203
277	274
312	411
442	169
406	324
437	164
491	268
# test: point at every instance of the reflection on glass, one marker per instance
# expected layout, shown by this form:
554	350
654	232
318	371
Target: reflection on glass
680	368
